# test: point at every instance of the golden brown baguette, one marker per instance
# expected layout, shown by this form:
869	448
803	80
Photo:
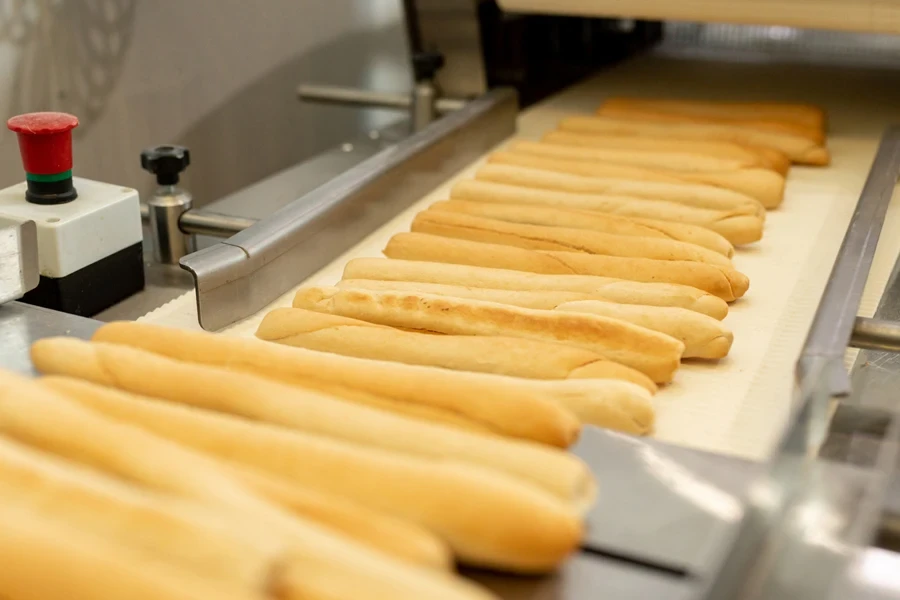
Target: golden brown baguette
765	185
766	158
799	148
727	284
806	115
552	216
379	530
654	354
186	535
424	491
323	564
702	336
44	559
517	410
538	237
689	194
601	288
499	355
260	399
736	227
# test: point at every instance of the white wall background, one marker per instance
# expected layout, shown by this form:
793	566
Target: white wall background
216	75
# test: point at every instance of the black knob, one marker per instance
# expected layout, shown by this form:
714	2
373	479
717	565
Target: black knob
426	65
166	162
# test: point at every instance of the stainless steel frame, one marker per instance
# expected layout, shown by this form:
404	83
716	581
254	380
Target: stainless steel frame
238	277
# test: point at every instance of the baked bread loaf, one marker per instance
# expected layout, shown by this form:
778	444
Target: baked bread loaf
702	336
524	409
601	288
321	565
552	216
538	237
765	185
798	146
499	355
766	158
654	354
736	227
725	283
423	491
808	116
257	398
688	194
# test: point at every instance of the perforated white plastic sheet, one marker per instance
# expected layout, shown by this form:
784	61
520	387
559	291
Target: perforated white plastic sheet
738	405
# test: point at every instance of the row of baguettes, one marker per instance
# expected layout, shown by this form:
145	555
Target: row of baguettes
558	288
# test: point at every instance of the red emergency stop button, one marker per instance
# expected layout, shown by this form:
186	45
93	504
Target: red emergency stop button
45	143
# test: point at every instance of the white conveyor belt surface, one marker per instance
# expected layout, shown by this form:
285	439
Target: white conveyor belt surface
738	405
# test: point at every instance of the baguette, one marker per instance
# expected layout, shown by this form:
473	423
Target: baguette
552	216
806	115
521	411
44	559
765	185
395	537
323	565
482	354
537	237
253	397
654	354
423	491
799	148
766	158
689	194
727	284
186	536
737	228
601	288
702	336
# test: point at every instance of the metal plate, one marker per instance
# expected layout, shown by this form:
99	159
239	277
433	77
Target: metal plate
23	324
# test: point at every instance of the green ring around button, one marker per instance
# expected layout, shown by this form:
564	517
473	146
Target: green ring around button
49	178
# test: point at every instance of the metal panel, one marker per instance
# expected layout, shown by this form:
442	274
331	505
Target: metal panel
23	324
242	275
452	28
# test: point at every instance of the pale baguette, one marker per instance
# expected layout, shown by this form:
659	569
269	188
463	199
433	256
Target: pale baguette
602	288
526	410
806	115
702	336
499	355
762	157
323	565
395	537
736	227
548	178
727	284
424	491
654	354
186	535
257	398
567	239
765	185
799	148
553	216
43	559
377	529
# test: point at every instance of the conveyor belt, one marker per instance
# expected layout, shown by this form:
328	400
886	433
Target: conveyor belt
737	406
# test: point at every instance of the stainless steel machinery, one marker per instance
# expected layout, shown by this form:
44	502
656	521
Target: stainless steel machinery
813	511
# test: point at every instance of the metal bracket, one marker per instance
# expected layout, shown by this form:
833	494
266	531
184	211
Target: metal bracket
238	277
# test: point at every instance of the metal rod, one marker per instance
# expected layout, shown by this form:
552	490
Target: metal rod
202	222
353	97
876	334
835	317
